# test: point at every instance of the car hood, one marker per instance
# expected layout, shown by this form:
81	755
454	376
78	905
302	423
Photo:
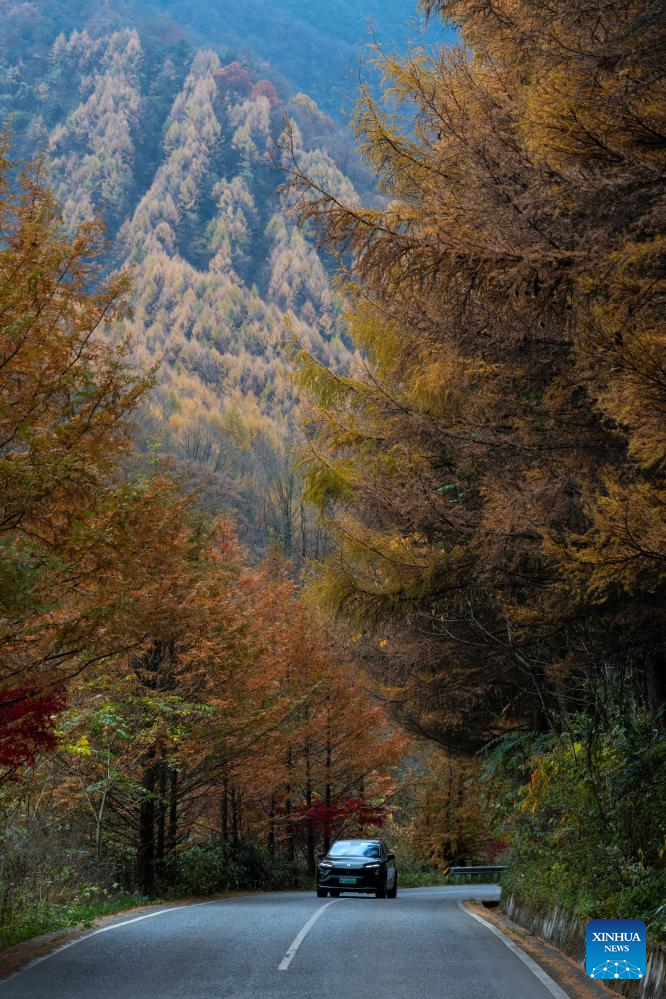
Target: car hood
354	861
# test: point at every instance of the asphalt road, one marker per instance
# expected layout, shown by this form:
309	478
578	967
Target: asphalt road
418	946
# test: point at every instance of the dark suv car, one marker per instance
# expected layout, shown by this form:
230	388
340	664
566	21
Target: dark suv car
357	865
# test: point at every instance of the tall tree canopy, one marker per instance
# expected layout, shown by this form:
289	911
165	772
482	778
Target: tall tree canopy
494	475
70	522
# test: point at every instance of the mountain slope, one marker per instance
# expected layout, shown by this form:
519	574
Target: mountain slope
178	152
315	47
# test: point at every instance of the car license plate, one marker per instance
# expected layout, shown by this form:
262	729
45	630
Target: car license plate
347	881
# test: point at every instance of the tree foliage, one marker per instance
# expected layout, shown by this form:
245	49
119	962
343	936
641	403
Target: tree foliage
494	472
587	818
66	395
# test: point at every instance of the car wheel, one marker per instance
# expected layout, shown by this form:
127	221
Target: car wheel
321	893
393	892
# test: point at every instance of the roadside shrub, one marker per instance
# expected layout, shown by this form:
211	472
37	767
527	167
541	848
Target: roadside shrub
210	867
590	835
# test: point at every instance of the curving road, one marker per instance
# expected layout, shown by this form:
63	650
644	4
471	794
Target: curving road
418	946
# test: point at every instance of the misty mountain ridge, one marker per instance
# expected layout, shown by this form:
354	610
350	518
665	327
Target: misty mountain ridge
320	48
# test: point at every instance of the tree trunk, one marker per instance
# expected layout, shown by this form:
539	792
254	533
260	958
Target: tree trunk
234	817
309	833
304	533
145	875
161	818
172	833
291	846
270	842
224	811
328	796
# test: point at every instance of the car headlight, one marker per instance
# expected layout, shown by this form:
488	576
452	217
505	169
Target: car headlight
372	865
325	867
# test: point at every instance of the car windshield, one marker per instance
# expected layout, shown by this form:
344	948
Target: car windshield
354	848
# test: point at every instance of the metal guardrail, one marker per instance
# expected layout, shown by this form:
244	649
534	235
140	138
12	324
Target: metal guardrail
469	871
483	869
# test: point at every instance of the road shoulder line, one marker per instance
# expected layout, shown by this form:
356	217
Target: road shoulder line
535	968
102	929
301	935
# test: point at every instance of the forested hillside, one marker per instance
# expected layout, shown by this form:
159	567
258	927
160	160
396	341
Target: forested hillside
163	120
176	151
320	47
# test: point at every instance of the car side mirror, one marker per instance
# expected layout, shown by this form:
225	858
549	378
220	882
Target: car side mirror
320	856
390	856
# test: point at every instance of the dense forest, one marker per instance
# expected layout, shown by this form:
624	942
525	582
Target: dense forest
331	474
493	477
176	151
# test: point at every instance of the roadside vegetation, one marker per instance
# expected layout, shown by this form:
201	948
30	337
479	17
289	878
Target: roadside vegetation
32	918
587	824
54	894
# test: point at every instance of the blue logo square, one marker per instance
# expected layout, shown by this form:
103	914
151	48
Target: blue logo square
615	948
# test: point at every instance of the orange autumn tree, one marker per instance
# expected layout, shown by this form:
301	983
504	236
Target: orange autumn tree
233	724
449	821
65	395
85	547
493	473
296	731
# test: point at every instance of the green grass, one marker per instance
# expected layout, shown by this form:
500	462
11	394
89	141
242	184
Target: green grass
421	879
37	918
424	879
